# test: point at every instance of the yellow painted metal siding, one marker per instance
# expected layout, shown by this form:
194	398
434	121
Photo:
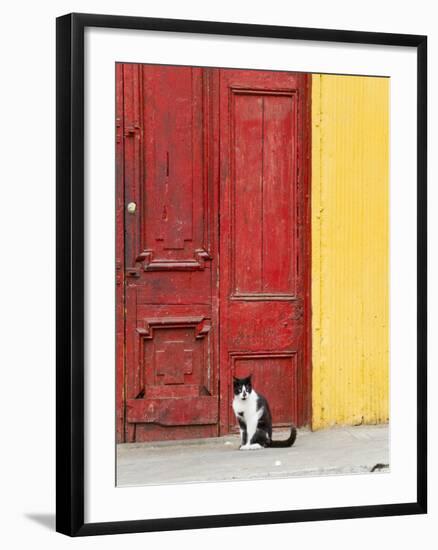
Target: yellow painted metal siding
350	250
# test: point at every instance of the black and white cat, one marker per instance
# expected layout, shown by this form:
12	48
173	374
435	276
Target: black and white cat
254	417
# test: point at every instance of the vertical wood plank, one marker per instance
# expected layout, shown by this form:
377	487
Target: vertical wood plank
247	151
279	201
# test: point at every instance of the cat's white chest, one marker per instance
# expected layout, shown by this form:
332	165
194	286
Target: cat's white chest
246	409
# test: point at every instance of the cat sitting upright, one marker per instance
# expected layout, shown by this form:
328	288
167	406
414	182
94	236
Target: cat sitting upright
254	417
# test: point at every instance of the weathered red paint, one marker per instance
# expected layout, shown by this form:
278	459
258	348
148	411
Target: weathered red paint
264	266
199	307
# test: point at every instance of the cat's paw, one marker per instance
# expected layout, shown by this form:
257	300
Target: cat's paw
251	447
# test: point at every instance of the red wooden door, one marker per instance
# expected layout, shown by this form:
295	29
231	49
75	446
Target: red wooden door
170	225
264	290
184	137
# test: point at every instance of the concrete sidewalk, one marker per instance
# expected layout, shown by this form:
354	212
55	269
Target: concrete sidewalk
346	450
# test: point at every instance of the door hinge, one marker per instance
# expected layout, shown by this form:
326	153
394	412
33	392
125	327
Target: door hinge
118	273
131	129
298	312
133	272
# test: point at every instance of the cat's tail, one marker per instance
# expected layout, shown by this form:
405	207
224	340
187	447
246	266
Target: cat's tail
286	442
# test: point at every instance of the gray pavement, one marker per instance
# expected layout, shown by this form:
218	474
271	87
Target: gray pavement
340	450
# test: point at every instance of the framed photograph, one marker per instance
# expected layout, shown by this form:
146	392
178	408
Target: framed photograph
241	274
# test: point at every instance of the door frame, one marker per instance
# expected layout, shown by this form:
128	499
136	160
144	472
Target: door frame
120	321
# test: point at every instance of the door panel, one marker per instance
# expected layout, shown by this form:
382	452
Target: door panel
262	188
275	373
170	253
263	272
170	230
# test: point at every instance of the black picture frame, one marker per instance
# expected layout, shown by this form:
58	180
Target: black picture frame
70	273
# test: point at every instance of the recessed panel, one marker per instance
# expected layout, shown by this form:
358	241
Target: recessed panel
273	376
263	198
175	190
173	357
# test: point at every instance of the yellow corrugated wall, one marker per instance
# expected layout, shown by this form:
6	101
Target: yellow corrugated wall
350	250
